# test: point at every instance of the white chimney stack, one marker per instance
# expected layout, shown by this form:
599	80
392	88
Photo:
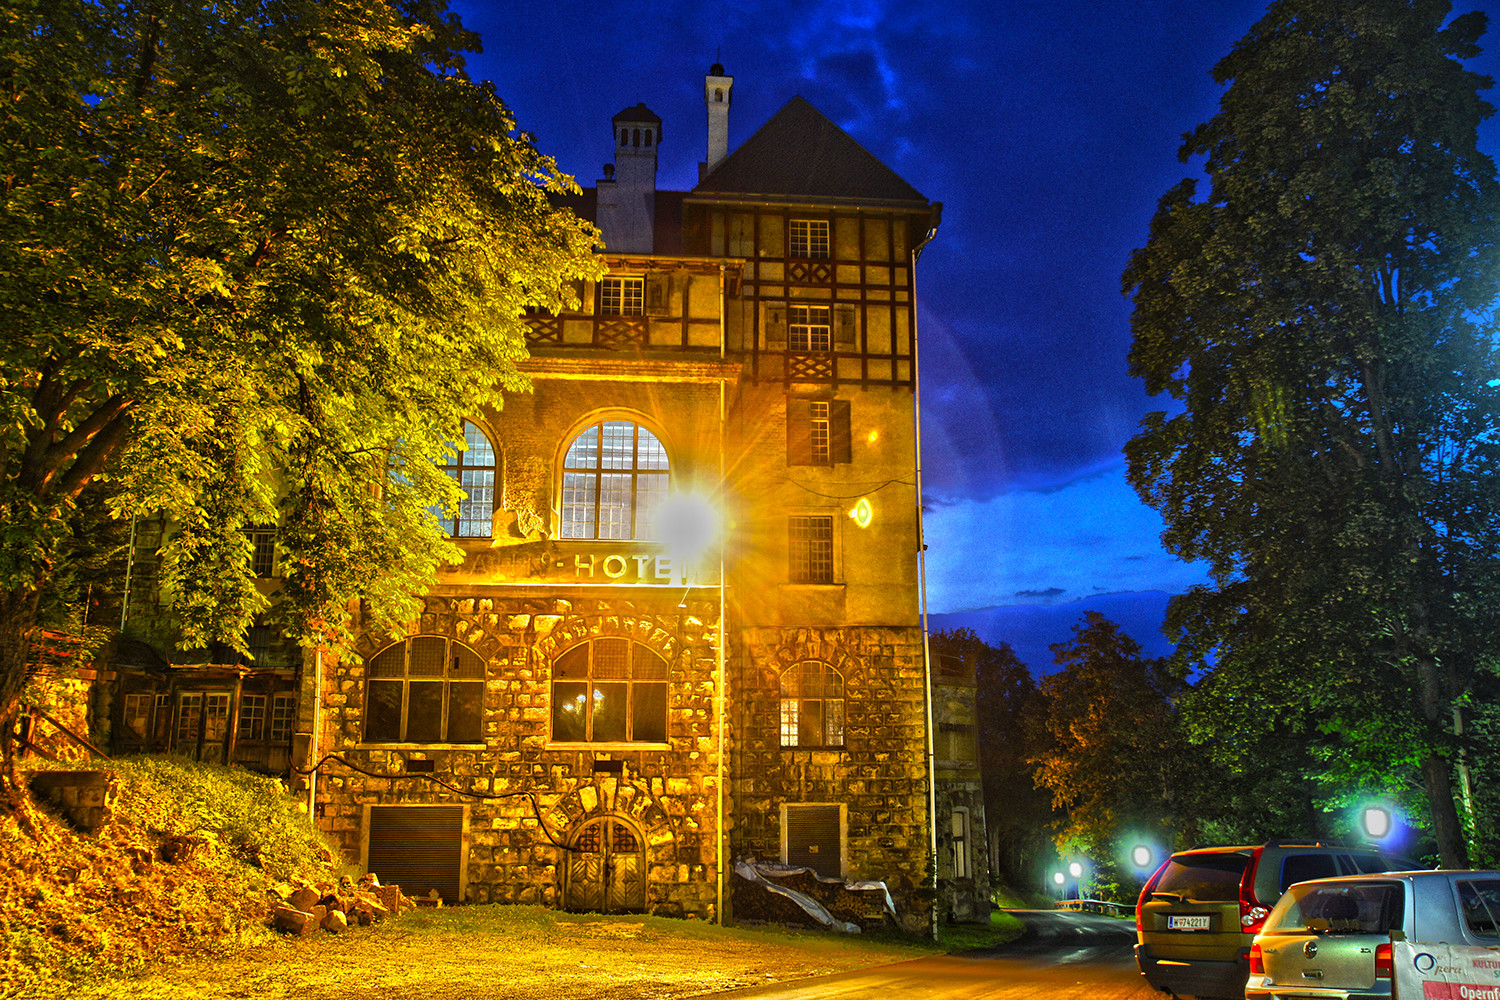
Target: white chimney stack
716	94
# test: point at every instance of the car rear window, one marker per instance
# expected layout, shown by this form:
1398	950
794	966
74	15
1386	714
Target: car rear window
1374	864
1302	867
1345	908
1204	877
1480	902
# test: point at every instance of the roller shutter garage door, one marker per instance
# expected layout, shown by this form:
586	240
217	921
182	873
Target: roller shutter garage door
813	839
419	848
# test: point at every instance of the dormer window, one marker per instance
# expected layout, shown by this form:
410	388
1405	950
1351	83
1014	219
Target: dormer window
809	239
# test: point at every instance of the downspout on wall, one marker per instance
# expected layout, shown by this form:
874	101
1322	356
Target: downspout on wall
916	253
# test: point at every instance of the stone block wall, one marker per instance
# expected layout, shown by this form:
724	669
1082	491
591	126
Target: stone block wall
879	775
526	796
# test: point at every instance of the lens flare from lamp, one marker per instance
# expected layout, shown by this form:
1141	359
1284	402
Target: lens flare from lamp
862	513
1058	878
1075	869
1141	856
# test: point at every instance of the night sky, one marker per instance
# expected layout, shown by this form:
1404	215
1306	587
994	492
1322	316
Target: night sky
1048	130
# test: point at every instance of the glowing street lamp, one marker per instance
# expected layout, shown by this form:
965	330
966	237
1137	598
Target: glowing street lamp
1075	869
1141	856
1377	822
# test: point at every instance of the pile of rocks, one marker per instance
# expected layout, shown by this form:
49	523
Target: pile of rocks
307	908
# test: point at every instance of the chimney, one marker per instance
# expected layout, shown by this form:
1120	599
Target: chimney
627	195
716	94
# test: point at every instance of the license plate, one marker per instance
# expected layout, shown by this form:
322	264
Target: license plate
1193	923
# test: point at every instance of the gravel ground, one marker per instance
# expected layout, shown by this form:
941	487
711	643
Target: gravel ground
500	952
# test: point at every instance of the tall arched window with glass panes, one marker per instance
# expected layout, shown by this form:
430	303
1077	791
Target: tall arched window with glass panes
474	470
615	479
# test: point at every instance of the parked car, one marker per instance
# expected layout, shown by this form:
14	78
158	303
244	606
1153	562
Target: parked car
1199	912
1330	939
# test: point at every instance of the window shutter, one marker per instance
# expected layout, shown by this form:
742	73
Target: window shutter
798	431
658	295
845	327
813	839
776	328
840	446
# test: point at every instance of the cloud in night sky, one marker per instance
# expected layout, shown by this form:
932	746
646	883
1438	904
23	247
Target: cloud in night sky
1088	537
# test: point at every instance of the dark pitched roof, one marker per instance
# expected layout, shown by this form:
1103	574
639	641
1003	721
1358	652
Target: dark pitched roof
799	152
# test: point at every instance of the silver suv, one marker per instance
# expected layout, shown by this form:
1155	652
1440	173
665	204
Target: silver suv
1331	939
1202	908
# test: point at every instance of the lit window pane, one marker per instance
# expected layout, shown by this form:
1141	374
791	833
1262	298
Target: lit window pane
609	712
615	477
580	491
383	712
570	712
648	713
424	712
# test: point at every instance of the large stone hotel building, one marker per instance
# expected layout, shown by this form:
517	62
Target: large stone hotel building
687	627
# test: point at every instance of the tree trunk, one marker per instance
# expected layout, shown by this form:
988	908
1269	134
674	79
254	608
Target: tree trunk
18	609
1437	777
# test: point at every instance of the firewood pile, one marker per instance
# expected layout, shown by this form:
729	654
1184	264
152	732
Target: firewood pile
306	909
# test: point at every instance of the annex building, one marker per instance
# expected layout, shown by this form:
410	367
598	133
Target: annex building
686	631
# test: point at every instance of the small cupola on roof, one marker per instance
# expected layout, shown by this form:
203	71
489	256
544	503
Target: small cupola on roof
627	198
717	90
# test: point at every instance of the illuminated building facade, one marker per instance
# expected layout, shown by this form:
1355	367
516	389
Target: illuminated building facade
686	629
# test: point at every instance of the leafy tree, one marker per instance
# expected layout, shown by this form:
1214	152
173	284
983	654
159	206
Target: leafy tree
258	260
1117	762
1320	319
1017	815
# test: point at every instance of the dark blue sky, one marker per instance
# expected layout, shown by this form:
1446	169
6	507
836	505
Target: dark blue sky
1048	130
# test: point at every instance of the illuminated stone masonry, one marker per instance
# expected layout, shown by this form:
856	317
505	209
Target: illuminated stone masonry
645	811
876	778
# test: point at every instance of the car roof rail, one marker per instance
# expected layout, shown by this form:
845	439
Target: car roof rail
1297	843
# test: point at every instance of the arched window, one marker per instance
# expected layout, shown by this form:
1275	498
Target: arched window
812	705
609	690
615	476
427	689
474	469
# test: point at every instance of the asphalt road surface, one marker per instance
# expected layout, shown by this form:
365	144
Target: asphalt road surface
1062	956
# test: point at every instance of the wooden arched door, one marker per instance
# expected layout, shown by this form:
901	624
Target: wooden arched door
606	869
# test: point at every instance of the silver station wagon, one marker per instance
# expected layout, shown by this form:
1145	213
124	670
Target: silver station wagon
1331	938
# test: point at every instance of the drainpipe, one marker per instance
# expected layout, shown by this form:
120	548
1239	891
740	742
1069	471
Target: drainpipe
719	643
916	254
312	779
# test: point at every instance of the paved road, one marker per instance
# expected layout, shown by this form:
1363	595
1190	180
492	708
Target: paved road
1062	956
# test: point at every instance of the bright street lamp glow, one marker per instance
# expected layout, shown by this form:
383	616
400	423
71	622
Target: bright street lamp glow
1377	821
1075	869
1140	855
1058	878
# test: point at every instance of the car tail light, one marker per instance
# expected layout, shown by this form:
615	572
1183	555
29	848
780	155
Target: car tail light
1253	912
1257	963
1385	965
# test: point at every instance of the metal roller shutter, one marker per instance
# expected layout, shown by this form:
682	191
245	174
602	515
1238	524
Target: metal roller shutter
419	848
813	839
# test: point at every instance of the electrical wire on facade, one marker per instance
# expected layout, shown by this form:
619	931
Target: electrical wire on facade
536	809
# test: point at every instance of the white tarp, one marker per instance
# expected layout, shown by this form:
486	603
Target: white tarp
1427	971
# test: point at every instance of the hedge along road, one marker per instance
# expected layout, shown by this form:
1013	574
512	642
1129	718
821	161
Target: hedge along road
1062	955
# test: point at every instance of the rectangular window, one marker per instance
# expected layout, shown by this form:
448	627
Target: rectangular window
283	715
189	715
809	329
263	559
138	715
809	239
812	549
961	844
818	431
957	743
819	441
622	297
252	717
